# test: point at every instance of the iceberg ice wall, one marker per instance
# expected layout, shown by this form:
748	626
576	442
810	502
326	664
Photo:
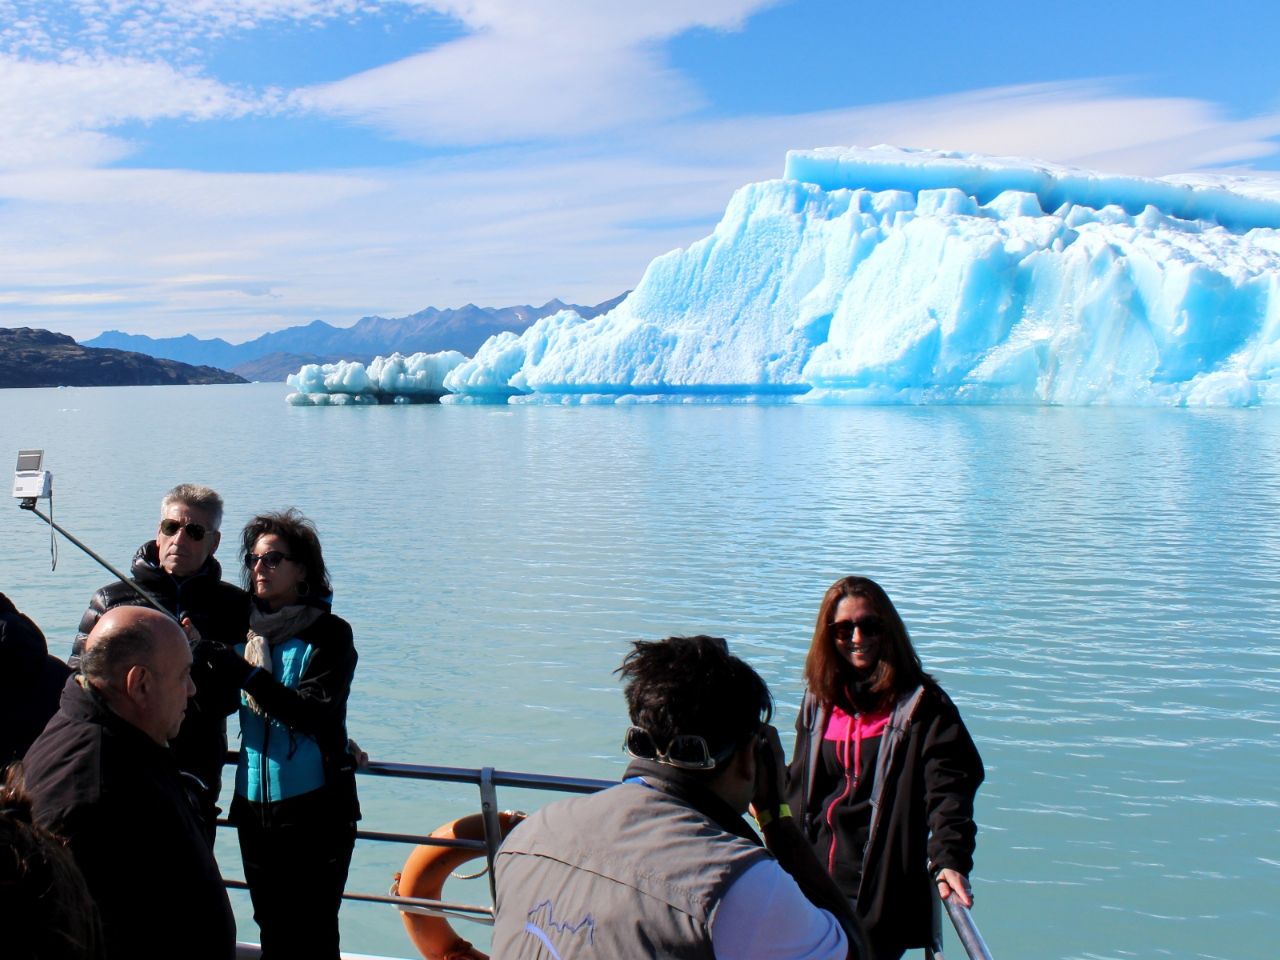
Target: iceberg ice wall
887	275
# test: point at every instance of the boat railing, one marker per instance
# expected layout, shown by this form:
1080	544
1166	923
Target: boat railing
488	780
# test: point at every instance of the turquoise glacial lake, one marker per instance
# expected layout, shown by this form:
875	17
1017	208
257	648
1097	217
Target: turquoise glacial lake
1098	589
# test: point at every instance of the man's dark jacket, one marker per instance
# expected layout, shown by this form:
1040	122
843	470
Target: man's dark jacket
220	611
30	682
121	803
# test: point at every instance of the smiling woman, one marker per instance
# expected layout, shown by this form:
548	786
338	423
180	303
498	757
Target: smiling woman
884	773
295	803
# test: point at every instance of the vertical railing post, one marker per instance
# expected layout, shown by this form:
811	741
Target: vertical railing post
492	826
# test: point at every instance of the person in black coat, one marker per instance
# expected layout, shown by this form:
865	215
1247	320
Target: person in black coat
179	569
102	777
884	773
46	910
30	682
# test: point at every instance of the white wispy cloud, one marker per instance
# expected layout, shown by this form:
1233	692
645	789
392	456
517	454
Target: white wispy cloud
62	113
155	28
557	68
1086	124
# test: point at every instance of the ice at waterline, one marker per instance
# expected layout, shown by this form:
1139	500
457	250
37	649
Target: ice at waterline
885	275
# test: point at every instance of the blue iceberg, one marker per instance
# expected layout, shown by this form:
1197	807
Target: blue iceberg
886	275
418	378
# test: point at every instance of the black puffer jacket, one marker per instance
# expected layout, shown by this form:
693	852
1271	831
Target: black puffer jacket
118	799
30	682
920	809
220	611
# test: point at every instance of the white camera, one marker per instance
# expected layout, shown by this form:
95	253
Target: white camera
29	481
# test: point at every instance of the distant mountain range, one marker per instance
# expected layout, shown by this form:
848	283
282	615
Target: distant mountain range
274	355
41	358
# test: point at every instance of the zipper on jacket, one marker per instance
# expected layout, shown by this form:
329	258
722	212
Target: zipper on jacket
262	765
851	776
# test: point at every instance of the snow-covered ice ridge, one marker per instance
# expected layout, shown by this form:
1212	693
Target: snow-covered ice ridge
885	275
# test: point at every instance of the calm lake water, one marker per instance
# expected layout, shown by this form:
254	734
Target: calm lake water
1097	589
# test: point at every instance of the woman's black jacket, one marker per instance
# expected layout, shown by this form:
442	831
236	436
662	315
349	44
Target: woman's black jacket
927	773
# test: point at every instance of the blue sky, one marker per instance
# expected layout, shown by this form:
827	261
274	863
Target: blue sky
229	167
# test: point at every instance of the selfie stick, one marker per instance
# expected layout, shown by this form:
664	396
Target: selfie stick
30	504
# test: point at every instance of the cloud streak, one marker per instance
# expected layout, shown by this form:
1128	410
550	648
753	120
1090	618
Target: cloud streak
59	114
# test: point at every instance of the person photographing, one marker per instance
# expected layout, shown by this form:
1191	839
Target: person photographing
663	864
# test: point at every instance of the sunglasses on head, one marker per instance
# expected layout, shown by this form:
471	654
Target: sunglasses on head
271	559
842	630
686	751
170	528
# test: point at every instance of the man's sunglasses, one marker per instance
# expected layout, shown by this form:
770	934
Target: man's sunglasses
271	559
869	627
686	751
195	531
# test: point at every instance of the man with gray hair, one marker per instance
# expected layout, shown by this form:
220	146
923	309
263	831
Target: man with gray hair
101	776
178	568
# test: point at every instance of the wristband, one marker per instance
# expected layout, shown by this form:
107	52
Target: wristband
766	817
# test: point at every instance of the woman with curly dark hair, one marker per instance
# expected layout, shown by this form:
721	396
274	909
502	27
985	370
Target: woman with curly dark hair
295	804
884	773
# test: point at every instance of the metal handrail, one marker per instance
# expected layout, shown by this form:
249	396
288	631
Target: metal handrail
487	780
966	930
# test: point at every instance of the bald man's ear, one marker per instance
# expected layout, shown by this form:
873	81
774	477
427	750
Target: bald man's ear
137	682
216	537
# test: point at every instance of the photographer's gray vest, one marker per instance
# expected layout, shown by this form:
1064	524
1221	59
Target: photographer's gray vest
628	872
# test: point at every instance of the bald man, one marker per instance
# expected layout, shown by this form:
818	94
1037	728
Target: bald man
103	777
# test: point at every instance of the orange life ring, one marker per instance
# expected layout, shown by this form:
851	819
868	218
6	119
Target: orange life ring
424	875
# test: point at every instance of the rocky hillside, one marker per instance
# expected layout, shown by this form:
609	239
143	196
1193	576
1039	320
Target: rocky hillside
41	358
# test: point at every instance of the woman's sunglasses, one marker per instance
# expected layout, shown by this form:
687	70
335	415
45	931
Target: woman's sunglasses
170	528
271	559
686	751
842	630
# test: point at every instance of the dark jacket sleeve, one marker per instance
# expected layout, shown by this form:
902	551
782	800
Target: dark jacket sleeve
796	769
321	697
952	774
221	625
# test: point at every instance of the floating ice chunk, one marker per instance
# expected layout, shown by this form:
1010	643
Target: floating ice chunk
420	373
396	378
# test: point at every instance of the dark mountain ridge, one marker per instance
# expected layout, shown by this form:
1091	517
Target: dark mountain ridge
41	358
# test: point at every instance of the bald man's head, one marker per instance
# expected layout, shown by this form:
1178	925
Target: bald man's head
139	660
